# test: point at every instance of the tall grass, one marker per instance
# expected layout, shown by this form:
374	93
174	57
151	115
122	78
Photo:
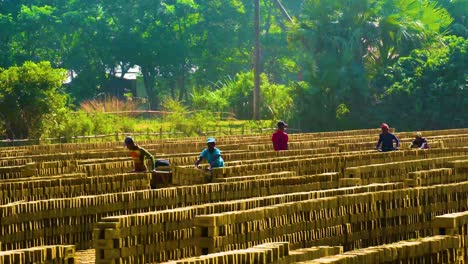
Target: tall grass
108	104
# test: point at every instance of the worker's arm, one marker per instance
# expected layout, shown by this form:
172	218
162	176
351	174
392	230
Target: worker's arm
424	144
273	140
149	156
397	141
200	159
379	142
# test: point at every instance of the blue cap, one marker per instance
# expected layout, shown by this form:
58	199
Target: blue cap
128	140
210	140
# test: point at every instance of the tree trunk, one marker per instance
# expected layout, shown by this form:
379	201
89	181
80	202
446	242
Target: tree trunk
150	87
256	92
181	85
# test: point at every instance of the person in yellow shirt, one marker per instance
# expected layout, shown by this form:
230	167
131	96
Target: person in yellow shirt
138	155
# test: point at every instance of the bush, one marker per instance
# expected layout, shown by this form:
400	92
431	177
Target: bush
32	101
236	96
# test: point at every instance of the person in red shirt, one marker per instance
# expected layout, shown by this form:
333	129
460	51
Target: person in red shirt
280	138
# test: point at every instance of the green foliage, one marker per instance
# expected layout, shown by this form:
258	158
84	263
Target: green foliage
340	49
31	99
346	44
236	96
429	88
458	10
188	122
96	123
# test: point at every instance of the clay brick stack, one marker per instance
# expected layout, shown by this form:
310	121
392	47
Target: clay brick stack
455	224
433	249
178	226
275	252
44	254
331	197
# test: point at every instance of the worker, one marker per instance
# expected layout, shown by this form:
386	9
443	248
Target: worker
280	138
386	139
419	142
138	155
211	154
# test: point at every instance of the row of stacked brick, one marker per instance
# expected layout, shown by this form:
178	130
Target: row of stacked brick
346	147
70	185
397	171
353	220
35	223
62	163
47	164
432	249
174	143
120	165
14	162
54	254
276	252
457	172
312	165
455	224
232	142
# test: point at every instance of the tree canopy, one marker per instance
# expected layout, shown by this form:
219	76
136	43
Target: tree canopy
31	99
333	65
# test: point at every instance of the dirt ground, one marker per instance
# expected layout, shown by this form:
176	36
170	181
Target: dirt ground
85	256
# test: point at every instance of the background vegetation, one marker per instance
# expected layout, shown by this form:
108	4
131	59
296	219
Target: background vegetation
338	64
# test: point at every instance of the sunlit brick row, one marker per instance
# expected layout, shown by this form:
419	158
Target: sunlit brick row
70	220
190	175
154	235
57	254
455	224
371	145
434	176
433	249
354	221
72	147
69	186
396	171
274	252
14	162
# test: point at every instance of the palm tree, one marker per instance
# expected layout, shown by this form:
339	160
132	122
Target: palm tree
404	25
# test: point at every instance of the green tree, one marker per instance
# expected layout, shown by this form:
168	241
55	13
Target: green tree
31	99
429	88
32	35
86	48
458	10
332	37
345	44
404	25
236	96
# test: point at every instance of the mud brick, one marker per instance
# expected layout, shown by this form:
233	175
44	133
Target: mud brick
111	233
108	261
445	221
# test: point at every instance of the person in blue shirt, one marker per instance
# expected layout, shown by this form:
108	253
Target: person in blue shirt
212	155
386	139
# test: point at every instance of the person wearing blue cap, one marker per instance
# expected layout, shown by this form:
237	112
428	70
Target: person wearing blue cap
212	154
138	155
